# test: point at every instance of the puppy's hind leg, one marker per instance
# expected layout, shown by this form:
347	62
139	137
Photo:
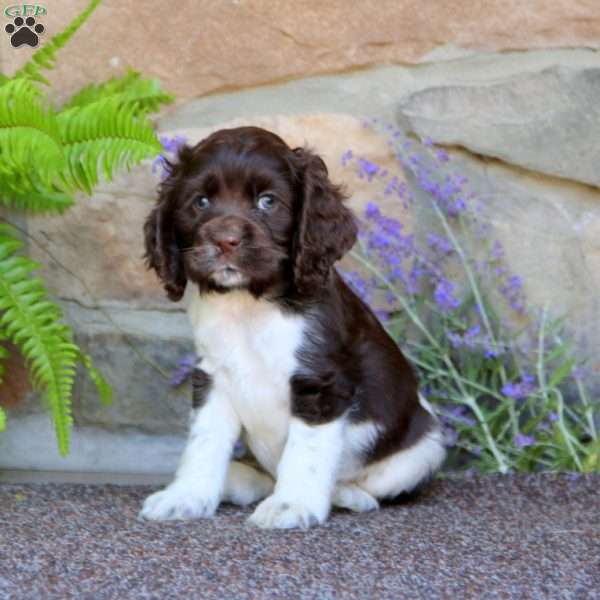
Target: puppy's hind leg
403	471
246	485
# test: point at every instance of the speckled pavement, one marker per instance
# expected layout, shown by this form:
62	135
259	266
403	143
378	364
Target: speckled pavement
479	537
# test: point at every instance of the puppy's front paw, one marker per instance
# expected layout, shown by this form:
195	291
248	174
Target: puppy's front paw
178	502
353	498
274	513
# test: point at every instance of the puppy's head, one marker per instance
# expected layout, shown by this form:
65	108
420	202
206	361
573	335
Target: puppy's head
243	210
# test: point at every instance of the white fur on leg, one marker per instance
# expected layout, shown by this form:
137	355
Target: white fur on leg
353	498
305	477
245	485
200	478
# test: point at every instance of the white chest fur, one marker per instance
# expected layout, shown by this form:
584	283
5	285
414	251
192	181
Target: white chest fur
248	347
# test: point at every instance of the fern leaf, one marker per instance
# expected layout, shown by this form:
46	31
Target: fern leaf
104	389
2	419
29	134
105	135
44	58
145	95
30	194
32	322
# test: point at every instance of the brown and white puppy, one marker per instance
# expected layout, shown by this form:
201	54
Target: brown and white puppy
289	357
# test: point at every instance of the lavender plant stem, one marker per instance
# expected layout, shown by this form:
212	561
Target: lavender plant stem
565	431
541	373
473	384
588	411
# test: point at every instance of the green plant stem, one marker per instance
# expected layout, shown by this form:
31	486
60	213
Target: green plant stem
565	432
585	402
473	384
541	373
588	409
498	455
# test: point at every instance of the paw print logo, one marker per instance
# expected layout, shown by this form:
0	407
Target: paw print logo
24	32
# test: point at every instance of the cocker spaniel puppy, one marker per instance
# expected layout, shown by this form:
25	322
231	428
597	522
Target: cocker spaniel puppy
288	356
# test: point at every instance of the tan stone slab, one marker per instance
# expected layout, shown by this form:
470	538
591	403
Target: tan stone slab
199	47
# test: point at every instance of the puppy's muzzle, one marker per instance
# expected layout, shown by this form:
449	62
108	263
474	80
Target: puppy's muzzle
227	233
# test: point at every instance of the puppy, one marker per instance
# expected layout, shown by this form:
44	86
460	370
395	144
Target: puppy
288	356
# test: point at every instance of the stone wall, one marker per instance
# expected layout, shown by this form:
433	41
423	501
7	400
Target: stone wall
510	89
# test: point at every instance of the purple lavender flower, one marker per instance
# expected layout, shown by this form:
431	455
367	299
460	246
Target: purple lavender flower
439	243
391	186
382	315
552	417
171	146
358	283
578	373
473	331
497	251
455	339
184	370
457	413
444	295
491	352
520	389
522	441
347	157
511	289
367	168
442	155
372	211
459	206
450	437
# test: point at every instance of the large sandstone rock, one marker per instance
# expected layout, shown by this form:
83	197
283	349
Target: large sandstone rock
547	121
201	47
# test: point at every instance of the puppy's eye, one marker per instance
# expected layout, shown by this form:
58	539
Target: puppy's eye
201	201
265	202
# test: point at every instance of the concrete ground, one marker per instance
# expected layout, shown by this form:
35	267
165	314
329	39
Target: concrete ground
523	536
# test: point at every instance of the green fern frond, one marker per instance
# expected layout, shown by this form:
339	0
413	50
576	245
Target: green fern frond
103	387
2	419
30	195
44	58
32	322
29	134
104	135
145	95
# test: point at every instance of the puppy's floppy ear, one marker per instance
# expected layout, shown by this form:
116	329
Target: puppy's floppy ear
325	228
162	252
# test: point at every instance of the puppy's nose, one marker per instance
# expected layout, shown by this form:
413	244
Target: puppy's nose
228	243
